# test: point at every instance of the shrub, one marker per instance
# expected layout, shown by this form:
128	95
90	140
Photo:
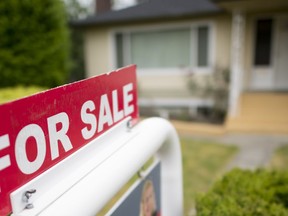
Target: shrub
214	86
246	193
34	46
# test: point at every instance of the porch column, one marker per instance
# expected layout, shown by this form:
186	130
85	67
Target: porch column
237	49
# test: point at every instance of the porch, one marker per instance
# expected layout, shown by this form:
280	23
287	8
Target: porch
259	66
260	112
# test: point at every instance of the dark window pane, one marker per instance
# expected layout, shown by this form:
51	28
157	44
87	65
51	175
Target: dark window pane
119	50
203	43
263	42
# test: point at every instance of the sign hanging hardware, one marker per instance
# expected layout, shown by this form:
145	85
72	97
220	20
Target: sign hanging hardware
141	173
26	198
130	125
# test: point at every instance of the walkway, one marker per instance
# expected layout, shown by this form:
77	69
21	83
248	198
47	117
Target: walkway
255	150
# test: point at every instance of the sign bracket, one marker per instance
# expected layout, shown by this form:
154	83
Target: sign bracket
128	152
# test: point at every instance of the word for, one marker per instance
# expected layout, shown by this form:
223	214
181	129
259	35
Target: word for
58	125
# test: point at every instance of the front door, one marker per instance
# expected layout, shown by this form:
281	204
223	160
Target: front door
262	77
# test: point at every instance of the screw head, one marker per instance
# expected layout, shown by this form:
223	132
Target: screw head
29	206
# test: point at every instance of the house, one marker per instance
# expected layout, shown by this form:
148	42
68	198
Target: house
172	40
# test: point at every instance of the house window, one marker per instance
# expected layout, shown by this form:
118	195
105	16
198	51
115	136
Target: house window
203	45
166	48
263	42
119	49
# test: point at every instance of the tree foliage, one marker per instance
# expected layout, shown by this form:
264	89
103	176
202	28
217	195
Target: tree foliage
75	11
34	43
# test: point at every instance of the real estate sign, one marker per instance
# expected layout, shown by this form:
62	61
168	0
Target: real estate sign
39	131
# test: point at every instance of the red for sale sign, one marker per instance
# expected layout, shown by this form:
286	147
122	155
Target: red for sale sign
39	131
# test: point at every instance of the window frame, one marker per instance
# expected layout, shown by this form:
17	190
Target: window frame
193	27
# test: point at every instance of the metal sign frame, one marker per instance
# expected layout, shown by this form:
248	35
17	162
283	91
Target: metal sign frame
100	170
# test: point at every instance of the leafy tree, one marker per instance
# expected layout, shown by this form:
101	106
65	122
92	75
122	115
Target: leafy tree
75	11
77	71
34	43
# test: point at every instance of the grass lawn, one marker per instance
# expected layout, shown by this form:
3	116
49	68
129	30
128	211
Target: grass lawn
280	159
13	93
203	163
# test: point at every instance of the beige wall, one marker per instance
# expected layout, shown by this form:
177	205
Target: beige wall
151	86
223	41
248	50
96	51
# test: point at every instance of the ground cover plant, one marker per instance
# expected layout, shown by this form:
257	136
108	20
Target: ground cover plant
203	163
247	193
280	159
13	93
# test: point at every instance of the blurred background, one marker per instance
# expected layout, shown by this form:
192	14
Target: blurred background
216	68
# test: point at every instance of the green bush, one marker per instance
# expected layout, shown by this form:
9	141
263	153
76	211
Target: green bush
246	193
34	43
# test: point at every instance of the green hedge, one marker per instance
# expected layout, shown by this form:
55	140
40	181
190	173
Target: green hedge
246	193
34	43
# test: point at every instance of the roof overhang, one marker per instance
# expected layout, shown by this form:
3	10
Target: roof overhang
151	11
252	5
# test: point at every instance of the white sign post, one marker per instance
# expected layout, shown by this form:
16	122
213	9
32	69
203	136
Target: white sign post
99	173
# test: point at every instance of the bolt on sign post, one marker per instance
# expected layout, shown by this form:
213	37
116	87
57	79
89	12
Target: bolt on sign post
67	151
